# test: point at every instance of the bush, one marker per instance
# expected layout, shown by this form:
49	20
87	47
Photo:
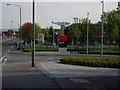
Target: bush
94	62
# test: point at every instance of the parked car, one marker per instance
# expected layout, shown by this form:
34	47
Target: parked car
19	45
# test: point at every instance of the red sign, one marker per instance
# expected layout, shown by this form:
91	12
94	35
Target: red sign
62	38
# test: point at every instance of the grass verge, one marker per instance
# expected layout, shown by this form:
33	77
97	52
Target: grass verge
92	61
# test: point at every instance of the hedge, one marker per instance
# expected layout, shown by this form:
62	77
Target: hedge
92	61
28	49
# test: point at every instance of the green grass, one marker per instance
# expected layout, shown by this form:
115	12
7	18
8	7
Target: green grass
92	61
114	50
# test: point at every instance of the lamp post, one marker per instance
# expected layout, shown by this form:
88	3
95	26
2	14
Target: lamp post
102	29
20	11
12	26
20	22
33	36
87	30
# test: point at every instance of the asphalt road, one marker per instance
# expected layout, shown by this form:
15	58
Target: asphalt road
7	45
17	72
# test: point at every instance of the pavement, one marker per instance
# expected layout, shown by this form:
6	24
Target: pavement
71	76
79	77
54	75
22	75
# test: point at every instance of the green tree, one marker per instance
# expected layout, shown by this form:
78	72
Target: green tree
73	32
46	34
61	31
118	16
83	30
51	34
26	31
110	26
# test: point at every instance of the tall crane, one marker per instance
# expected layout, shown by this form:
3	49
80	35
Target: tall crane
62	24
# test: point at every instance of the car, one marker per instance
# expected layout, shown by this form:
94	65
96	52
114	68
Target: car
19	45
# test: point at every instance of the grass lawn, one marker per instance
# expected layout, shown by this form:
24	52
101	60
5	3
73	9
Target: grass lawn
92	61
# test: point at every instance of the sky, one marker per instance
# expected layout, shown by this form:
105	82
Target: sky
51	10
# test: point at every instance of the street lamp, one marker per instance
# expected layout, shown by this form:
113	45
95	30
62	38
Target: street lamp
20	10
102	28
20	22
33	36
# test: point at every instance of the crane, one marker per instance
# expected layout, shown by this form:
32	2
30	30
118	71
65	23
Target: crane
62	24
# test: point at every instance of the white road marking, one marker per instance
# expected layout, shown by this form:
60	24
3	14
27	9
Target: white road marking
7	39
5	61
4	57
80	80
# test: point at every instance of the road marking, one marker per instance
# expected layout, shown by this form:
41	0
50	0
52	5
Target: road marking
50	58
4	61
4	56
7	39
80	80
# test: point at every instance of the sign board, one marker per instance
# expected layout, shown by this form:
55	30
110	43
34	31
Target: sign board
62	40
41	38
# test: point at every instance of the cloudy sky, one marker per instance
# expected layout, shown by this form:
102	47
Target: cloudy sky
46	12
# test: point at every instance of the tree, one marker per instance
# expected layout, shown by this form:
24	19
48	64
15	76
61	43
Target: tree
118	16
83	30
46	34
61	31
26	31
51	34
73	32
110	26
78	31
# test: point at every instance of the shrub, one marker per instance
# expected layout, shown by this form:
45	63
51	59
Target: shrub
95	62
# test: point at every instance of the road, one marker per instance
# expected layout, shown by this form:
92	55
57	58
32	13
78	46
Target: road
48	72
18	73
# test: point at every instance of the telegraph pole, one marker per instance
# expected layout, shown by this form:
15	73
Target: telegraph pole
33	36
